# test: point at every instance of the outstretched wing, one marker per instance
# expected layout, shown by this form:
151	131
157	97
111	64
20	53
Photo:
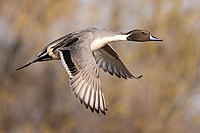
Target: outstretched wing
84	78
107	59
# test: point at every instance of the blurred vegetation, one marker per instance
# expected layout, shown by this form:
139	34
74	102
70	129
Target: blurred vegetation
38	99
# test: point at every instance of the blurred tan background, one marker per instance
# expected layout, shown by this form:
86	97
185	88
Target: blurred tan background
38	99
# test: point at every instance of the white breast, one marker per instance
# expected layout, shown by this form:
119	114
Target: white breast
99	43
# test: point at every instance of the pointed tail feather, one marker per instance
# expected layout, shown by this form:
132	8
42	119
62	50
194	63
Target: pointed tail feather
43	57
25	65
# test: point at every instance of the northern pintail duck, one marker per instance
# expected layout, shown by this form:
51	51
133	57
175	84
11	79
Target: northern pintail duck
82	51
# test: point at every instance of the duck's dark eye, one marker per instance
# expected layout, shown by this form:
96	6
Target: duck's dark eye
143	32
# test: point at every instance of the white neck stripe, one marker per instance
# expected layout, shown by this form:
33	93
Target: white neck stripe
99	43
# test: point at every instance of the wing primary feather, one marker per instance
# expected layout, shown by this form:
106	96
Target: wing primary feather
107	59
84	76
97	102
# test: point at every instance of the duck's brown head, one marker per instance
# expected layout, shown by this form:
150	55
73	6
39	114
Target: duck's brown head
141	36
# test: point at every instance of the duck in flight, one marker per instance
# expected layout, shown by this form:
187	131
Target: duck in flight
82	52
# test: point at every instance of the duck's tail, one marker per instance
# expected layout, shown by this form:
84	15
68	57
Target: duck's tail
40	57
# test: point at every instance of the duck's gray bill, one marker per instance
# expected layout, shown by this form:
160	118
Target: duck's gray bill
152	38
